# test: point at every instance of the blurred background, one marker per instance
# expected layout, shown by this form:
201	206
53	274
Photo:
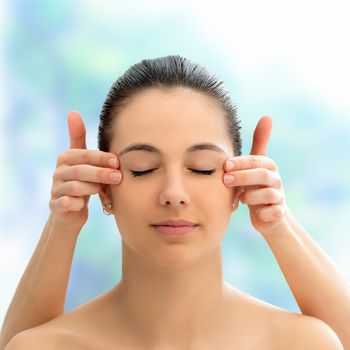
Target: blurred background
288	60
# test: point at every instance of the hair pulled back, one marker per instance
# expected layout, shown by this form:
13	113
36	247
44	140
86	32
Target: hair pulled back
164	73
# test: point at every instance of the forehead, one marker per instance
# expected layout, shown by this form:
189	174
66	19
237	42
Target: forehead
172	120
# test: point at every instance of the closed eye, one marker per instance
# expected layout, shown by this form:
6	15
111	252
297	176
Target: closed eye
201	172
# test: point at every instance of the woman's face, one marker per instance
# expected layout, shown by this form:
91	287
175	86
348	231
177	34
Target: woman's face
172	121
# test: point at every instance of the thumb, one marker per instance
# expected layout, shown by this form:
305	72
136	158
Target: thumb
77	130
261	136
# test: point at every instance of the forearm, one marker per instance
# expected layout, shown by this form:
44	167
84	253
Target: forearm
41	293
319	288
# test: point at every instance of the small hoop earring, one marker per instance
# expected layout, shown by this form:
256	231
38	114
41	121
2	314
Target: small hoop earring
106	211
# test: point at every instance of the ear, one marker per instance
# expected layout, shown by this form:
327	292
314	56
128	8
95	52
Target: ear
236	199
105	195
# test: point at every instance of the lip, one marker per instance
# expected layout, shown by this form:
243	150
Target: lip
176	222
166	230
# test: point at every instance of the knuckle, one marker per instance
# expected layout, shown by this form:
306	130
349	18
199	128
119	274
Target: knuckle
261	214
53	191
280	197
273	165
255	161
278	213
265	174
271	196
104	158
65	203
80	203
76	172
268	214
51	205
73	188
62	158
86	157
279	182
277	196
57	174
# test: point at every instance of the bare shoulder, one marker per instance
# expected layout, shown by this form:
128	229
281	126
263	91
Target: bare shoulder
314	333
305	332
51	335
278	328
75	329
35	339
62	332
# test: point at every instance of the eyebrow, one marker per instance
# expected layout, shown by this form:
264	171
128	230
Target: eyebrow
152	149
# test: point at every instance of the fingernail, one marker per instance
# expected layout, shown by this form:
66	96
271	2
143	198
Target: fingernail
112	162
230	165
229	179
116	176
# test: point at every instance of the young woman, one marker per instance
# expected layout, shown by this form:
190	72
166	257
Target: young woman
168	129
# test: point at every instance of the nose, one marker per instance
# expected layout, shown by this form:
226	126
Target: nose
175	194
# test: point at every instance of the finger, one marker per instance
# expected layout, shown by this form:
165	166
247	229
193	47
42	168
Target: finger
77	130
259	196
250	177
270	213
92	157
75	188
249	162
88	173
261	136
66	203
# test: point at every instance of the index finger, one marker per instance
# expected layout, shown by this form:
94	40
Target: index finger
249	162
76	156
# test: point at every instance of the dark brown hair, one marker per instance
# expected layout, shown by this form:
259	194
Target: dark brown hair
164	73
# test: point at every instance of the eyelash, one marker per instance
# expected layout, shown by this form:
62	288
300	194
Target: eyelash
199	172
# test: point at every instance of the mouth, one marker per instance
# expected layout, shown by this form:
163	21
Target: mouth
176	222
171	230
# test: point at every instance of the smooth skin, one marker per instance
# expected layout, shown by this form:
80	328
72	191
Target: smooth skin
319	288
41	293
260	312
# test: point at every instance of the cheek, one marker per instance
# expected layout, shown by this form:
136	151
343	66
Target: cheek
127	204
216	204
221	196
127	196
220	202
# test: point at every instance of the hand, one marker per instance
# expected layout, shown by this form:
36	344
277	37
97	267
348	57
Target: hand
79	173
258	183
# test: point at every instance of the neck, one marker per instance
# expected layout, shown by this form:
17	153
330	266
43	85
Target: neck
166	304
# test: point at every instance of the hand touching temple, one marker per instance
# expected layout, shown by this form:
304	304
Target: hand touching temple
172	294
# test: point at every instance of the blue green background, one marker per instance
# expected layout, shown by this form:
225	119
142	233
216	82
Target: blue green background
285	60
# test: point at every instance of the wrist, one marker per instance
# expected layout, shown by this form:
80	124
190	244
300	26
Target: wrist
57	227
